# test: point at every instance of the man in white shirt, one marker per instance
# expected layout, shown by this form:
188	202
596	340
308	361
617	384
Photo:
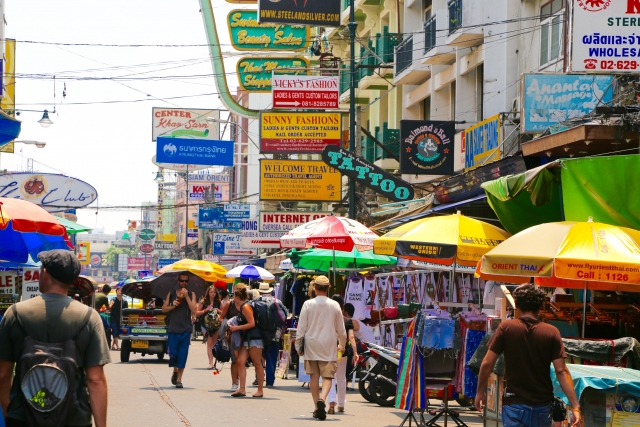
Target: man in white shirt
320	328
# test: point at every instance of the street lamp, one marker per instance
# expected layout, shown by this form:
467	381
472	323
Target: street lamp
38	144
159	178
45	121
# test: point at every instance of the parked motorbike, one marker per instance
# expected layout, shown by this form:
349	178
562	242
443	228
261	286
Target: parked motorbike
378	384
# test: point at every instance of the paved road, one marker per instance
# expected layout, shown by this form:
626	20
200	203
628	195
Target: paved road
140	393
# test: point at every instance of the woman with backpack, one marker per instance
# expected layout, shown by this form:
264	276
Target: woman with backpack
210	301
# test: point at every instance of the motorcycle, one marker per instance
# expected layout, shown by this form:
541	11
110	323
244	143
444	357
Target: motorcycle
378	384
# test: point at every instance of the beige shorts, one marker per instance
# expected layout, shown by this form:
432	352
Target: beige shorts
324	369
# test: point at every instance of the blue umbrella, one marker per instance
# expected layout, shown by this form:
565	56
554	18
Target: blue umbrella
250	272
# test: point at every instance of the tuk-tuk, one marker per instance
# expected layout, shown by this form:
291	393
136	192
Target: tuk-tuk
142	330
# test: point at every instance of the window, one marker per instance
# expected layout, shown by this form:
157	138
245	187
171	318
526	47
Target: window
552	16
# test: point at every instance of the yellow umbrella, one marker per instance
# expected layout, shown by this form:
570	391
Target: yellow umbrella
209	271
441	240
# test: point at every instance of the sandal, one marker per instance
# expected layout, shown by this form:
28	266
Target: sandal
258	396
239	395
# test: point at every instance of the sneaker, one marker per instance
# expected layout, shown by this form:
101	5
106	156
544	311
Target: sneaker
174	378
340	408
322	414
178	384
234	387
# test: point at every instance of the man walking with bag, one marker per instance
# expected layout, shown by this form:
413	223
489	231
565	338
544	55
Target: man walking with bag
57	323
319	338
530	347
271	316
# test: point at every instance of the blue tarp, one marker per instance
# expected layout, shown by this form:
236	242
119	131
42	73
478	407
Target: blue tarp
604	378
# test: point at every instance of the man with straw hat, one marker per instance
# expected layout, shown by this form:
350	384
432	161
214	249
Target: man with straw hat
276	316
320	329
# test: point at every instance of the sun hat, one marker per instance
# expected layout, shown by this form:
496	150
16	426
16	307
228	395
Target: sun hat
265	288
322	281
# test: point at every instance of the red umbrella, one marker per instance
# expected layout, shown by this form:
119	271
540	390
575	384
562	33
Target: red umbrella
331	232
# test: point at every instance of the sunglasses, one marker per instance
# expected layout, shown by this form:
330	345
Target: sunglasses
183	281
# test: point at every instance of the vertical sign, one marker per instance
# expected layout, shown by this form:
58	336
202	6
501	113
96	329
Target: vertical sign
482	142
30	283
84	252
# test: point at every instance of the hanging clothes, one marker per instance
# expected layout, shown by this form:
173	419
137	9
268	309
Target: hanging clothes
369	293
411	382
354	293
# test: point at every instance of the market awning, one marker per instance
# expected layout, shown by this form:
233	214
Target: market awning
9	128
73	227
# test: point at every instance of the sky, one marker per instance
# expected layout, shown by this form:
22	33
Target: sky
96	137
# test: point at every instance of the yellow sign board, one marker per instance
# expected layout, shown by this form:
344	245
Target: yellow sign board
481	143
291	133
8	102
8	148
299	180
84	252
166	238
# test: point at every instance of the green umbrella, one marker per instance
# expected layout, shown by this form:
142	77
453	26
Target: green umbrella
323	259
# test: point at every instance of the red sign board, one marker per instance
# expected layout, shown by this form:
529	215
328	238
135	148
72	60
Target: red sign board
146	248
297	92
136	263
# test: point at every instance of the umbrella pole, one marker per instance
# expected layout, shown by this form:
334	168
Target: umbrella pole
334	267
584	308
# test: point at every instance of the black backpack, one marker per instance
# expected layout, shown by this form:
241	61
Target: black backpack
267	318
48	375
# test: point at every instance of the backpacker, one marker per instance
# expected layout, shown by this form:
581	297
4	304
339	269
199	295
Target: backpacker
269	316
48	376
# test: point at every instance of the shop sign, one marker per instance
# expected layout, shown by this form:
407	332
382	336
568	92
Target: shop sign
299	180
147	234
552	98
426	147
481	142
163	246
315	13
55	193
222	218
163	262
248	34
605	36
320	92
208	177
253	238
185	150
98	259
198	192
192	229
185	123
7	283
368	174
230	244
254	74
166	237
237	210
177	166
146	248
136	263
298	133
84	252
270	221
30	283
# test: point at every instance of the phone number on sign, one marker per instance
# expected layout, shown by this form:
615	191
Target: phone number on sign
619	65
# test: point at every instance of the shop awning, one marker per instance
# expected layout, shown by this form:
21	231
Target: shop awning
73	227
9	128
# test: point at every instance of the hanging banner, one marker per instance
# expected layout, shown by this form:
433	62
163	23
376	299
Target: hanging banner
30	283
230	244
185	123
204	152
426	147
286	220
254	74
298	133
7	283
248	34
374	177
299	180
605	36
315	13
252	238
553	98
481	142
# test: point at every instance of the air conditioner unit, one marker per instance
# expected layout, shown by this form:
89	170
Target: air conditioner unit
515	104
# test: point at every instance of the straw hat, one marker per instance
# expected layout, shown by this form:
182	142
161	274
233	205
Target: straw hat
265	288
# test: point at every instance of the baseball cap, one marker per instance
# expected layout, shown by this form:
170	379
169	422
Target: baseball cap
61	265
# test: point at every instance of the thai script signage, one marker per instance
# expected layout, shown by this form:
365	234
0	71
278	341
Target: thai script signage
552	98
137	263
184	123
426	147
606	36
481	142
297	133
248	34
254	74
286	220
368	174
299	180
204	152
318	12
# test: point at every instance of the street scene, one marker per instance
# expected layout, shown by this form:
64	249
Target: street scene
412	213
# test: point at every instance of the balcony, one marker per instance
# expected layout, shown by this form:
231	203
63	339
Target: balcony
368	149
385	44
465	23
408	67
430	34
436	30
390	138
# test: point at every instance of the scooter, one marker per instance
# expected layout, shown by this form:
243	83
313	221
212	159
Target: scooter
378	385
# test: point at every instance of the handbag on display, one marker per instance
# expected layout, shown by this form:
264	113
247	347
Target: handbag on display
391	313
404	311
377	314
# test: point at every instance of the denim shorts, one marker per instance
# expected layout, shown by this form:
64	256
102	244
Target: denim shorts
526	416
253	343
178	348
115	329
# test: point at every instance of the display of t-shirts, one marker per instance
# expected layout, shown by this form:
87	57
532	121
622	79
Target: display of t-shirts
354	294
369	294
383	297
301	291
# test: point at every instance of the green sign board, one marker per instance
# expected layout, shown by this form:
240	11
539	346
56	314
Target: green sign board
255	74
248	34
147	234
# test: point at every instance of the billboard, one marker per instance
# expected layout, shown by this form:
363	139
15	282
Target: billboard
286	220
230	244
227	217
304	92
137	263
247	33
482	142
184	123
552	98
298	132
217	192
253	238
53	192
7	283
426	147
299	180
98	259
166	237
204	152
606	39
163	262
254	74
84	252
315	13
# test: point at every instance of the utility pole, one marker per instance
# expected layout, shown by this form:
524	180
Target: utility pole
186	212
352	103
